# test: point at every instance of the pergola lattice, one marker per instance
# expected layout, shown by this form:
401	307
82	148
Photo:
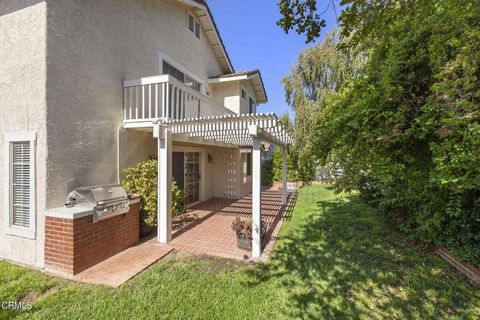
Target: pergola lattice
245	130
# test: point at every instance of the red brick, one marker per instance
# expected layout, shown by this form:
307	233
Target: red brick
75	245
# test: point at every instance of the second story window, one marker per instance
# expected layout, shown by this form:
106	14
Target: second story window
251	105
180	76
194	25
244	94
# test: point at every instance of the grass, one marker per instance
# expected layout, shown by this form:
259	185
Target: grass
336	258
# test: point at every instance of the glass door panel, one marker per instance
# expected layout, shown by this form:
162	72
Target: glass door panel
192	177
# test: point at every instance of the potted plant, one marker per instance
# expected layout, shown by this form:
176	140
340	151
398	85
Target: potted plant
243	231
143	180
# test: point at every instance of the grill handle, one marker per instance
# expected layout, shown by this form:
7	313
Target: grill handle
72	199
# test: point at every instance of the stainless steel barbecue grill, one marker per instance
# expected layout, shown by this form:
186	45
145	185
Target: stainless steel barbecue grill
106	201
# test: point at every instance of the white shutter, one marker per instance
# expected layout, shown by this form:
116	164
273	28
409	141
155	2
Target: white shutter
193	25
197	29
20	183
191	22
20	171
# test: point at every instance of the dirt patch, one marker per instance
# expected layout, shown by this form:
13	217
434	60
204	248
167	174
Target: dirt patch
208	264
33	297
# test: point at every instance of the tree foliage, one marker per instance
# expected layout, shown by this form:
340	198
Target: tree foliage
300	166
360	19
301	16
406	130
321	72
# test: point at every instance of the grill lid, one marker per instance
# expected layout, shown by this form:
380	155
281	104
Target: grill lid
97	195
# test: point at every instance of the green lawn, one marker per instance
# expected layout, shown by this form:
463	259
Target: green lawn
337	258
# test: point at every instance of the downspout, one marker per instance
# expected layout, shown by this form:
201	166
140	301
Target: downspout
119	130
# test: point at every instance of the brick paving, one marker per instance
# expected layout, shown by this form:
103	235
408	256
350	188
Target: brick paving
203	229
123	266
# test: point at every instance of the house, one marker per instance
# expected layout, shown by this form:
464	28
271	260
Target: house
88	88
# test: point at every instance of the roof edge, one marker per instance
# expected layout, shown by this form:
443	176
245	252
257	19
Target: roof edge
239	76
201	4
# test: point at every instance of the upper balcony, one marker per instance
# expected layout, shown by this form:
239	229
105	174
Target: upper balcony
163	96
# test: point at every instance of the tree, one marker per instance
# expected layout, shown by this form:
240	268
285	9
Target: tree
320	73
406	128
407	132
303	16
360	19
296	169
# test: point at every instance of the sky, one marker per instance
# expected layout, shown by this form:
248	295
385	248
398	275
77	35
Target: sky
253	40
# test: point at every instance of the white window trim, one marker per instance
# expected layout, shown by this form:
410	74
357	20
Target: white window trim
11	229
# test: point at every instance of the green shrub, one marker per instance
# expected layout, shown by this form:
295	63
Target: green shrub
267	172
406	133
143	179
296	169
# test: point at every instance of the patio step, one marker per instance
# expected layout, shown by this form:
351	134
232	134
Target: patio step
123	266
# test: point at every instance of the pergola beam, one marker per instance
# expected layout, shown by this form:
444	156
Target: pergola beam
232	126
258	132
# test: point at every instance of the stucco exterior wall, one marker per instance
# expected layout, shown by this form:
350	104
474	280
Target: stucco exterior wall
244	104
23	28
224	176
228	175
92	47
135	146
227	94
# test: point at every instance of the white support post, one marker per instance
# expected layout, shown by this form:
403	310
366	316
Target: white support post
164	204
256	197
284	176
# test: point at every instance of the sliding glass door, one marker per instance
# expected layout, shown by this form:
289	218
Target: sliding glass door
186	172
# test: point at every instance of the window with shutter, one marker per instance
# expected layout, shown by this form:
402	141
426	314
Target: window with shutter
197	29
20	185
193	25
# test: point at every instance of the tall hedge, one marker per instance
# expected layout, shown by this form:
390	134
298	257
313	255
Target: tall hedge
407	131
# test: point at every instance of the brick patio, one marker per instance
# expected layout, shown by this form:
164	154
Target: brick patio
203	229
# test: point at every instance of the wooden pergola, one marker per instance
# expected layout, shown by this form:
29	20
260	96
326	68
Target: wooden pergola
253	130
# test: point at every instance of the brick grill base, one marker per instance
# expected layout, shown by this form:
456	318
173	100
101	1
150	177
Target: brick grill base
73	245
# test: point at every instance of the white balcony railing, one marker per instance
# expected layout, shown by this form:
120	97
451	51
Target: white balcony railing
165	97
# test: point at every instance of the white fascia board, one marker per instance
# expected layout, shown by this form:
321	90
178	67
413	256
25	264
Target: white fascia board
146	80
228	79
194	4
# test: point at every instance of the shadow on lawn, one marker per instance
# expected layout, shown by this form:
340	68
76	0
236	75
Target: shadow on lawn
344	261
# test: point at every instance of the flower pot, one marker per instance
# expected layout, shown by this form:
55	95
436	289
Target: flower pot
244	243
